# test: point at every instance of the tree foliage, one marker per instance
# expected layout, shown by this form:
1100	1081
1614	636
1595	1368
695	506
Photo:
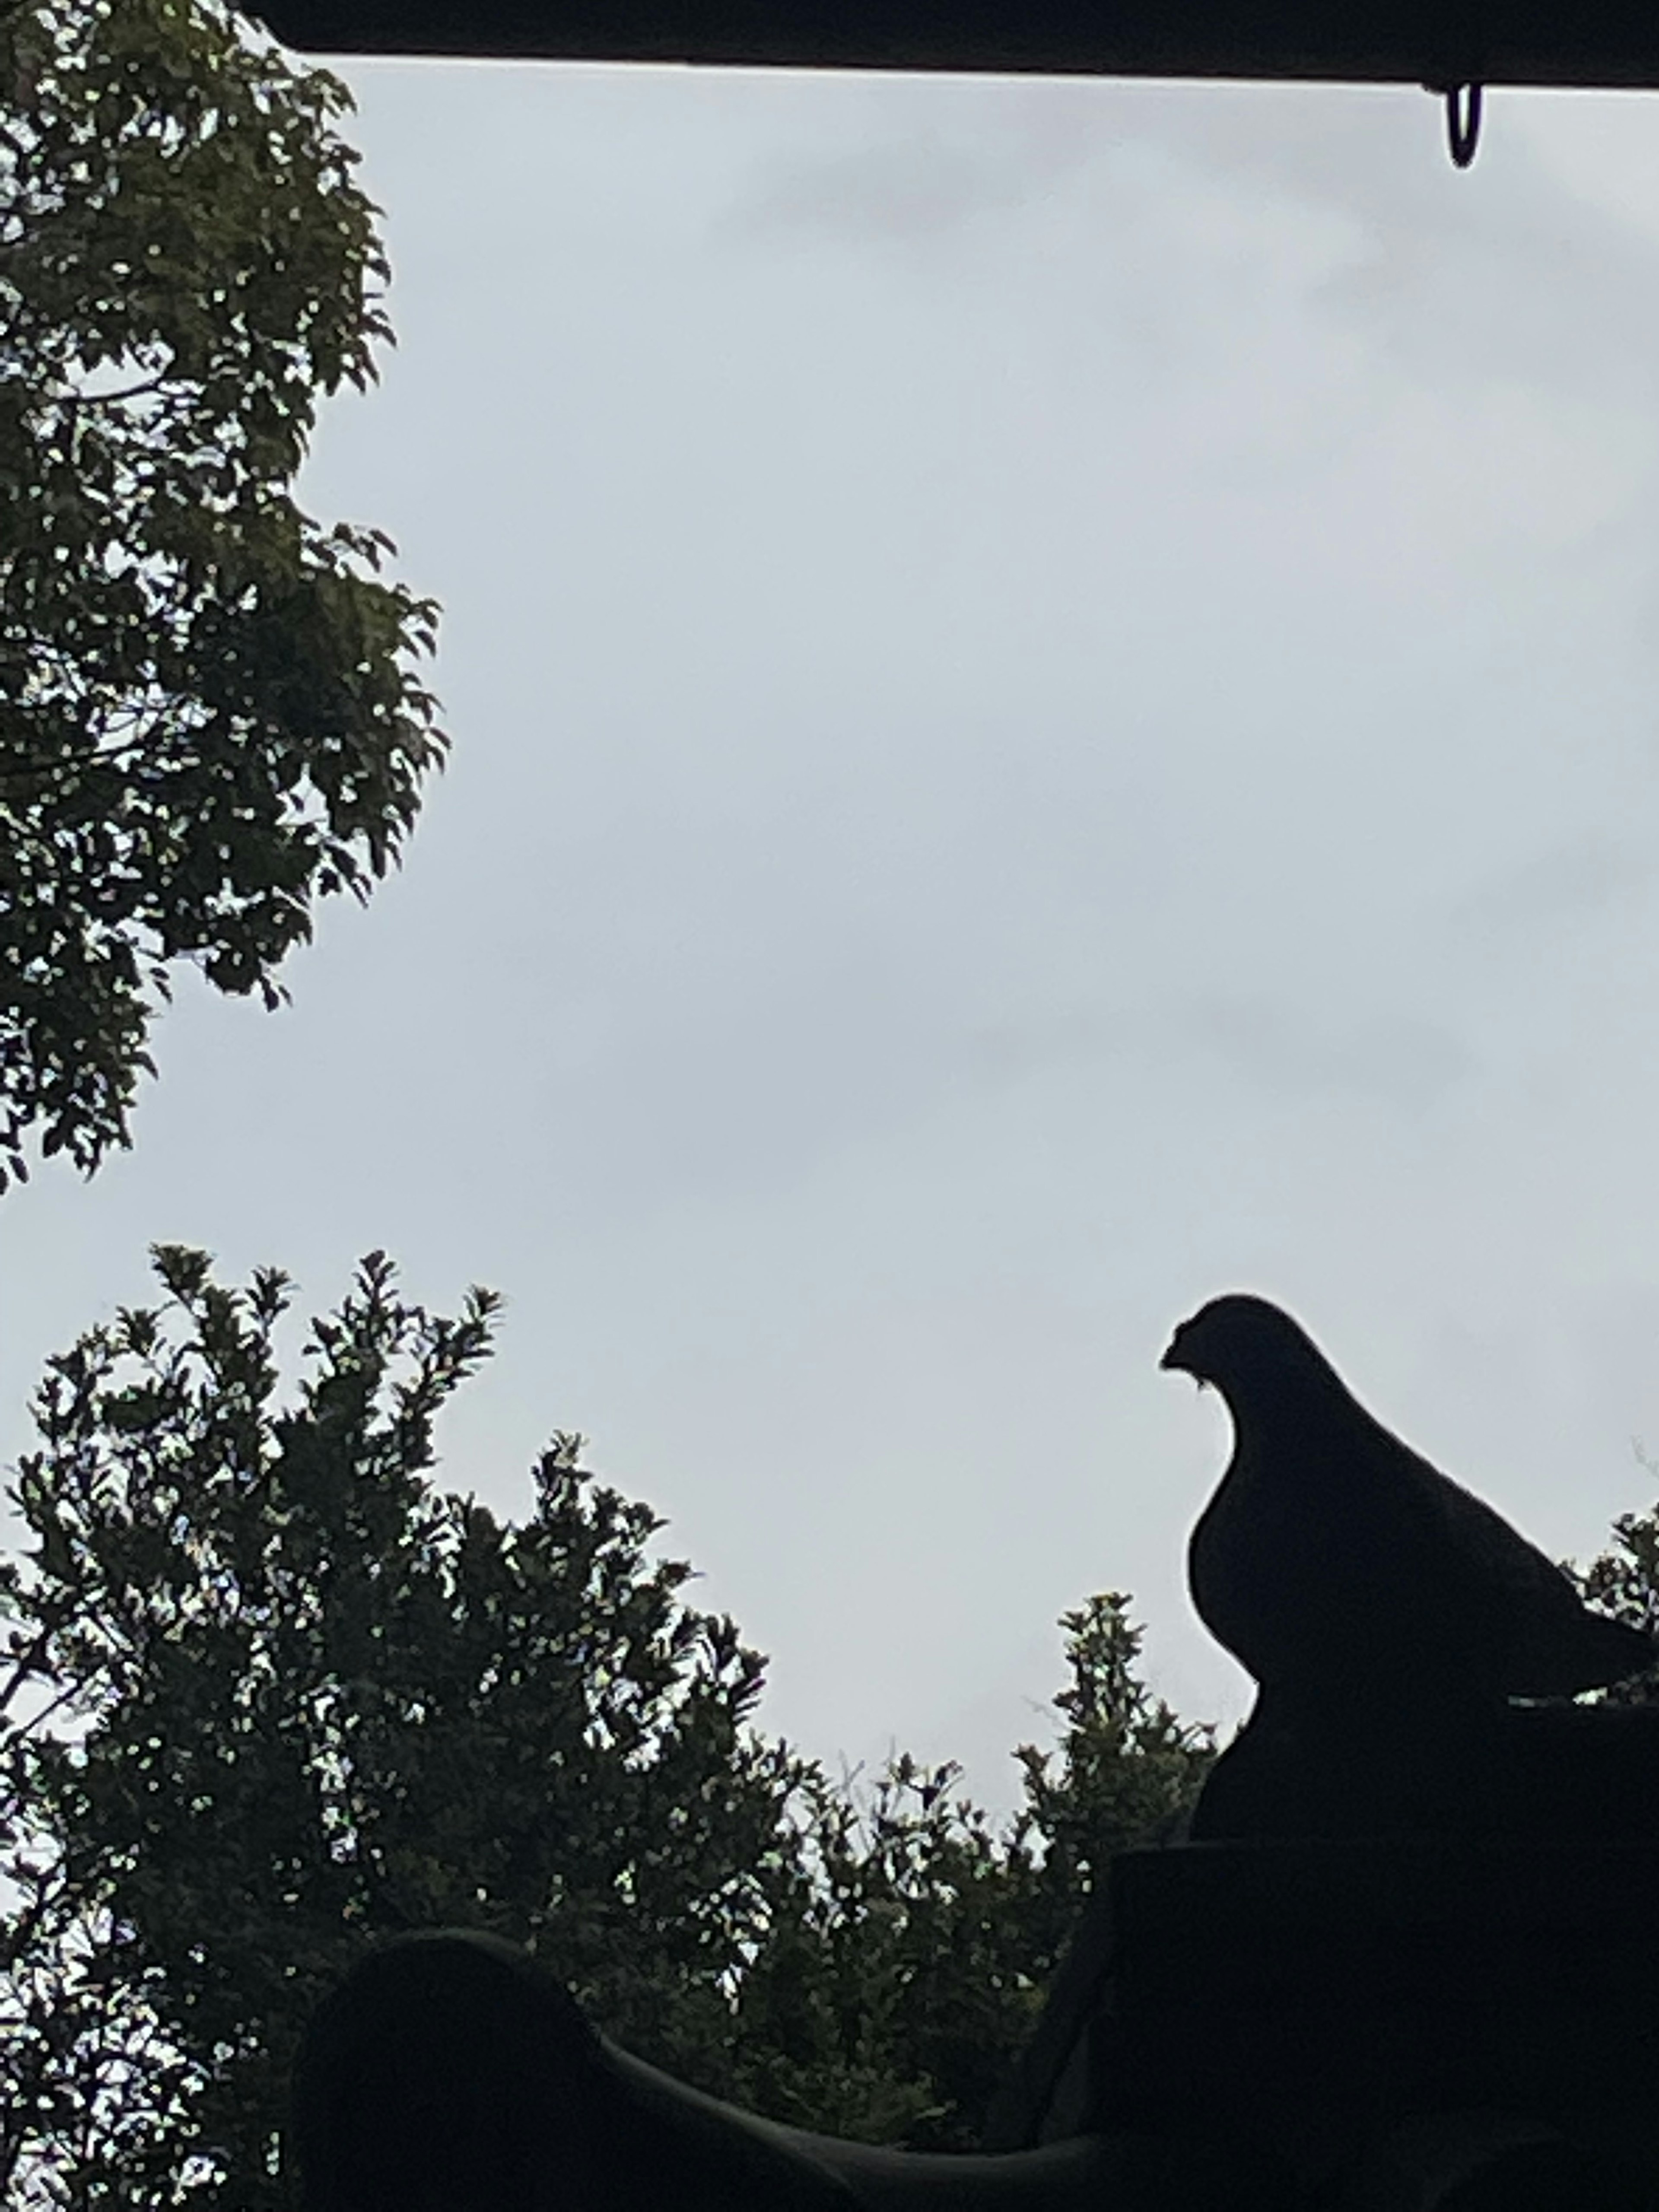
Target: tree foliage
1624	1581
272	1691
208	717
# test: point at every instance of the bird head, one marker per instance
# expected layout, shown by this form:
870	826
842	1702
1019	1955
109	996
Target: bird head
1241	1340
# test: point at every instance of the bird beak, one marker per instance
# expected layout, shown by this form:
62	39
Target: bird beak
1177	1360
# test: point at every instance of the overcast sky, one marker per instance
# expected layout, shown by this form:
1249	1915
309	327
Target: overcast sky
1056	694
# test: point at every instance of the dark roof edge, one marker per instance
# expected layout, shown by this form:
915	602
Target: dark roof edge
1610	45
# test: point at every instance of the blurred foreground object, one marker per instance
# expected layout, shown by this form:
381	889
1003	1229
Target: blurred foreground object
1287	2029
449	2071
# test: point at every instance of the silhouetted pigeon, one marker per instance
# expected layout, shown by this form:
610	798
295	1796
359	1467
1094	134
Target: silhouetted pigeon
1331	1559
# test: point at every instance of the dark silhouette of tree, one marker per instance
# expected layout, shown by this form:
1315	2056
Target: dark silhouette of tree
1624	1581
271	1691
208	718
907	1963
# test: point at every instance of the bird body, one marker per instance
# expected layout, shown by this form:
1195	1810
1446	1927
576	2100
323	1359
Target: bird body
1333	1559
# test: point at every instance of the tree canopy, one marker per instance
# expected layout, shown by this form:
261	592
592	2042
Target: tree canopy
271	1691
209	716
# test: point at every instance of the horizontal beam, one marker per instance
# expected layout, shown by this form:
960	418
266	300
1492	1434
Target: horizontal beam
1582	43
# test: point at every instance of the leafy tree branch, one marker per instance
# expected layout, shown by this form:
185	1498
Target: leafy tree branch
211	716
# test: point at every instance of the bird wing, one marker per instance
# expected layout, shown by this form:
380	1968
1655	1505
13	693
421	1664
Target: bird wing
1482	1589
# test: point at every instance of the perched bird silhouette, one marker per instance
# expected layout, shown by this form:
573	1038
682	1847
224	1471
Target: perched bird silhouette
1333	1560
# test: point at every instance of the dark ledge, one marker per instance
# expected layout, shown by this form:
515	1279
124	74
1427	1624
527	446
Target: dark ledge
1245	2027
1309	1998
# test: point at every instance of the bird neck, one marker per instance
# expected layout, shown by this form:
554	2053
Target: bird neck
1291	1410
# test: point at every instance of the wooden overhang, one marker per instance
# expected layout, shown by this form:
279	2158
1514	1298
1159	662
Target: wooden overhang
1582	43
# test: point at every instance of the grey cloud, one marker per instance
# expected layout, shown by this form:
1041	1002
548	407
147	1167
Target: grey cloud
914	187
1452	276
986	146
1393	1060
1396	1060
1574	881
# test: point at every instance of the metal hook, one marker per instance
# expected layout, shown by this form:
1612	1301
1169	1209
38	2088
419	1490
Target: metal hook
1462	123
